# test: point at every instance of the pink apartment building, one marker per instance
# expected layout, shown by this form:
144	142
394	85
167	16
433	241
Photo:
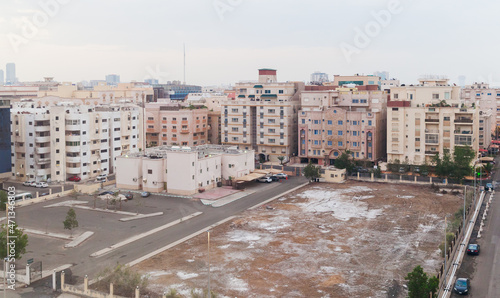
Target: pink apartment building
175	125
334	121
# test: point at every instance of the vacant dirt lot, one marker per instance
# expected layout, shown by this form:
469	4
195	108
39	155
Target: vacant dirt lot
324	240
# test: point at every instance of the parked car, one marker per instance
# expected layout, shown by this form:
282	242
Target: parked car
489	187
101	178
129	196
33	183
275	178
28	183
402	169
41	184
416	170
145	194
74	178
107	192
265	180
473	249
281	175
44	194
462	286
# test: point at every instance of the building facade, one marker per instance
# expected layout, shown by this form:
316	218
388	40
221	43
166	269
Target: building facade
203	167
10	74
332	122
425	119
65	140
263	117
175	125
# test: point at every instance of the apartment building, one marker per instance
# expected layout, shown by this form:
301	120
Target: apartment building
65	140
203	167
357	79
426	118
102	93
174	124
332	122
263	117
486	98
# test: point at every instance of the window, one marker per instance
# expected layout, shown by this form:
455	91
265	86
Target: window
340	144
330	132
234	110
316	121
271	120
340	122
150	171
354	133
272	130
330	122
316	142
316	132
363	100
435	95
396	96
355	100
271	140
267	91
355	144
339	133
234	119
369	123
271	111
303	121
235	129
354	122
329	143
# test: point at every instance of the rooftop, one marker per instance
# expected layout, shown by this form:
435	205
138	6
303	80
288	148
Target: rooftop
203	151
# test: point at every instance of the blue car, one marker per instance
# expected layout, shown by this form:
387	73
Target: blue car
462	286
489	187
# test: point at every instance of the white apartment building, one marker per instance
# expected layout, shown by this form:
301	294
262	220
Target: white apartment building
183	170
66	140
486	98
426	118
263	117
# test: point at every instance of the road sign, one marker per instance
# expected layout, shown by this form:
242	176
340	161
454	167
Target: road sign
30	261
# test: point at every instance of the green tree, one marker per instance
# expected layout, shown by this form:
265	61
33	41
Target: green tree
124	279
394	166
419	285
462	158
70	222
311	171
444	164
20	239
281	158
3	200
345	162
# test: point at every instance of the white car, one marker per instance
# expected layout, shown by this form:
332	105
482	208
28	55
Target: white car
27	183
265	179
33	183
281	175
101	178
42	185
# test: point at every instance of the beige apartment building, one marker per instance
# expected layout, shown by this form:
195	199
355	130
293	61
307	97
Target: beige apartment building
357	79
332	122
66	139
486	98
426	118
171	124
102	93
263	117
183	170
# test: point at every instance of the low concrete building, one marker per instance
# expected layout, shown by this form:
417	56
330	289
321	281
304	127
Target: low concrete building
334	175
183	170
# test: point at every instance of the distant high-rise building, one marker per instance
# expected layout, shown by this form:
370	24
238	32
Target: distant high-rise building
319	77
151	81
112	79
384	75
10	69
1	78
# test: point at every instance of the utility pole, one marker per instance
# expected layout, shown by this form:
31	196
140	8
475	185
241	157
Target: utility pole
208	235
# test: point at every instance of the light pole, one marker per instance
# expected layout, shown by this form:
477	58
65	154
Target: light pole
465	198
208	235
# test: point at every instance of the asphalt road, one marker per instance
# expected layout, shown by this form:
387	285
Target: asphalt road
109	230
484	270
485	281
21	188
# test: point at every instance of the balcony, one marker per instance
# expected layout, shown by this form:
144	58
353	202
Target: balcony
73	159
465	132
72	149
42	150
184	131
42	128
432	120
72	138
464	120
76	170
42	160
44	139
431	152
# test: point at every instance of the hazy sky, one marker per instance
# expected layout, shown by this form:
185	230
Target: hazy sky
228	40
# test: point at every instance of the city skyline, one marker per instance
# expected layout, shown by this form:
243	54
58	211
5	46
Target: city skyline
225	44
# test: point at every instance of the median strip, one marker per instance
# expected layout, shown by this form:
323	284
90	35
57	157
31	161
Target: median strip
140	236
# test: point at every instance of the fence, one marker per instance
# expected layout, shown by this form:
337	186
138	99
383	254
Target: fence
395	178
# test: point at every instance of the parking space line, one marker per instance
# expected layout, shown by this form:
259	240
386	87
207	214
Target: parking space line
140	236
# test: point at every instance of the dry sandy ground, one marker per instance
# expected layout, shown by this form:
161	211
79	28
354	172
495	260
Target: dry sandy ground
324	240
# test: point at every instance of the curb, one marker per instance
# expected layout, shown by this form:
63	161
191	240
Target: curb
278	196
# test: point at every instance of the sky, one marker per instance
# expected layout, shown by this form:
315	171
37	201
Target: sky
227	41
